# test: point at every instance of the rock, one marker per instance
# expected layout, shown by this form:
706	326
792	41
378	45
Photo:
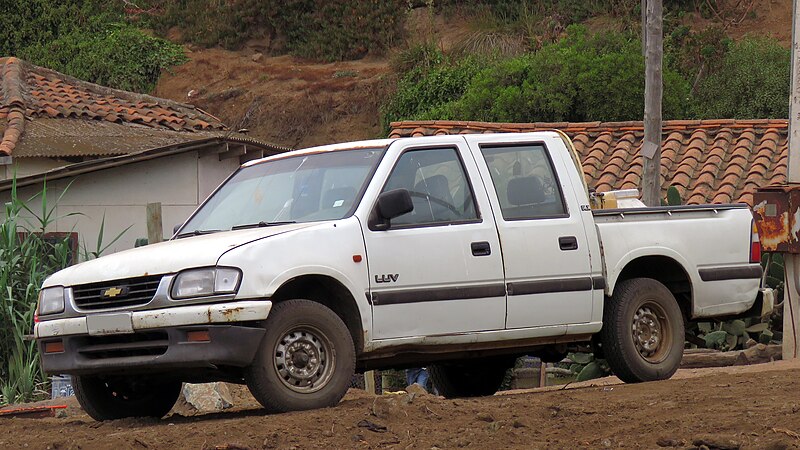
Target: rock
384	406
717	443
205	398
525	378
484	417
494	426
416	390
257	57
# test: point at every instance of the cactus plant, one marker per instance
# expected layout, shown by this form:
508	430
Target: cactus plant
673	196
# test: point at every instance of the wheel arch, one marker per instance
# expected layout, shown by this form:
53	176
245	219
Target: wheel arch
330	292
666	270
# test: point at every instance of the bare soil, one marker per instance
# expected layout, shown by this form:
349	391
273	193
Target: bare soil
755	407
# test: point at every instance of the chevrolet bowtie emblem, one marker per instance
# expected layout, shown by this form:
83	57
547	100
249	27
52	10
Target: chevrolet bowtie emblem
112	292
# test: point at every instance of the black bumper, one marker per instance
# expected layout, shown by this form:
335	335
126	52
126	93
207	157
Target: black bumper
157	350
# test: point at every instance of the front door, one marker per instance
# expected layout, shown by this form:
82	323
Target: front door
437	269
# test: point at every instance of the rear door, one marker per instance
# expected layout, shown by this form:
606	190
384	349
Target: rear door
437	270
545	247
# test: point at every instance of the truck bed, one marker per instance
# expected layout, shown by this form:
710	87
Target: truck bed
711	243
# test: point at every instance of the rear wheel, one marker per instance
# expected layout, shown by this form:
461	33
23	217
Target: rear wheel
472	378
107	398
305	361
643	334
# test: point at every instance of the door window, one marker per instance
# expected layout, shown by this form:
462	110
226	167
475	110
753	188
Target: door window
438	185
525	182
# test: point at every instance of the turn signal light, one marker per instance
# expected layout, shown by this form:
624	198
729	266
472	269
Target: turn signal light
54	346
198	336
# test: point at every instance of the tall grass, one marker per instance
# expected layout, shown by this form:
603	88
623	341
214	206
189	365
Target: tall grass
26	259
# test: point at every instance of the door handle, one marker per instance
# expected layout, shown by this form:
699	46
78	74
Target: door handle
568	243
481	249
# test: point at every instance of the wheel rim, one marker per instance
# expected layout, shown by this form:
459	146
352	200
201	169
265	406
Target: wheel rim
304	360
652	332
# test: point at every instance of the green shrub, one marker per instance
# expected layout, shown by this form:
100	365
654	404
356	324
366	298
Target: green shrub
695	54
210	22
752	82
583	77
428	87
115	55
87	39
320	29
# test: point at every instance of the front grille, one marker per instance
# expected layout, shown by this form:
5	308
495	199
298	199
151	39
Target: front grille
116	293
126	345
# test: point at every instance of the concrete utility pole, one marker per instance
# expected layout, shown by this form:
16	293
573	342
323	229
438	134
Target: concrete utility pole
791	303
652	35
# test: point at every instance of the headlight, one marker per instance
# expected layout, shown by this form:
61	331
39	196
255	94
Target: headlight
51	300
205	282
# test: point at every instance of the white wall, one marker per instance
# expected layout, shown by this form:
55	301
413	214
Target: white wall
178	182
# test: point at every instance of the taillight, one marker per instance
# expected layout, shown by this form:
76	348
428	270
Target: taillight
755	246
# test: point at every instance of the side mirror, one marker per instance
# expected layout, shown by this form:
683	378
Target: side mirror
390	204
176	228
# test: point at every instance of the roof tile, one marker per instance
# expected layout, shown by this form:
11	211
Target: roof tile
710	161
35	92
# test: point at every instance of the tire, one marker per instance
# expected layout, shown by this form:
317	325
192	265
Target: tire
108	398
474	378
643	335
306	359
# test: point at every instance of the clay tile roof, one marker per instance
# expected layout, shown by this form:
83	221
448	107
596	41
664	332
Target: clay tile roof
29	93
709	161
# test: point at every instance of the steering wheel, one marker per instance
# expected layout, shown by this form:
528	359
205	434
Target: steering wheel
438	201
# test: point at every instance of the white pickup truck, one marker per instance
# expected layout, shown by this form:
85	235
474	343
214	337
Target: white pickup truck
459	253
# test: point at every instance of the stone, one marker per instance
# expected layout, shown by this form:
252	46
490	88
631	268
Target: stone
416	390
257	57
206	397
384	406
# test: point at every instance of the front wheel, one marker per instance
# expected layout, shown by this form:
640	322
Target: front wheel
306	359
115	397
643	334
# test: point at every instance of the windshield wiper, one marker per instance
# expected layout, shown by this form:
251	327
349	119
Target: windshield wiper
261	224
196	233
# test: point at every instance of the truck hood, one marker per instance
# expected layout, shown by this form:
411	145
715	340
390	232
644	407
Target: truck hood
165	257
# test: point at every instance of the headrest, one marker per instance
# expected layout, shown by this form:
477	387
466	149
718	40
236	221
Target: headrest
525	190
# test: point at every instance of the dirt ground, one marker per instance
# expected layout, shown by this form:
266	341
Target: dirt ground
755	407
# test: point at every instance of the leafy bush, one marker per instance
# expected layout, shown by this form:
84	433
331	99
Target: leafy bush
694	54
427	87
329	30
752	82
115	55
87	39
580	78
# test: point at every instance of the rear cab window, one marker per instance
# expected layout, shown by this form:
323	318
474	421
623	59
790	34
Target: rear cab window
525	182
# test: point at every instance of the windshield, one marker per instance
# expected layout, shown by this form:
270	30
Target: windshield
304	188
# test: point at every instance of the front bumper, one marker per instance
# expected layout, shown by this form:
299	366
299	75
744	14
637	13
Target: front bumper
157	340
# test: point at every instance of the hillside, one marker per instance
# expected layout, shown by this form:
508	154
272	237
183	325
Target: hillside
295	102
